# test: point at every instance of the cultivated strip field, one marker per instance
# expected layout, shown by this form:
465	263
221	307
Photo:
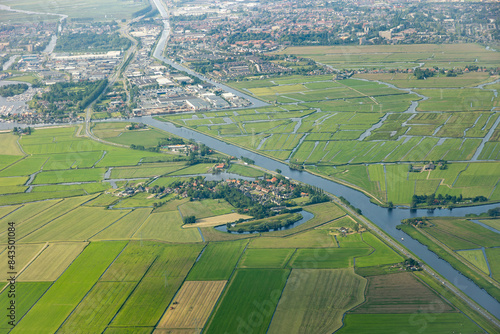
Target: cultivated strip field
217	220
315	300
192	305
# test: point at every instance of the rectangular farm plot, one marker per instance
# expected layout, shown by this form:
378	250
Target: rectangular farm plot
125	227
64	295
166	226
401	293
75	175
435	323
97	309
79	224
26	211
217	261
52	262
25	253
217	220
150	298
133	262
265	258
249	301
192	305
206	208
462	234
24	227
326	258
493	255
309	239
27	295
314	301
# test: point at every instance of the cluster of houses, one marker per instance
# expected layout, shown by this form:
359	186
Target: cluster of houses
270	190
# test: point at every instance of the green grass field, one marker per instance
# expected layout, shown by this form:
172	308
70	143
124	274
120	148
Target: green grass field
65	294
206	208
125	227
265	258
494	260
78	225
476	257
100	305
314	301
52	262
166	226
326	258
147	303
217	261
309	239
27	295
415	322
382	254
251	293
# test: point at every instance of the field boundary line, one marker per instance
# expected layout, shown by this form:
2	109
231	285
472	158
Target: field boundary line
116	221
131	292
437	293
28	264
20	206
50	221
21	223
281	295
52	283
355	306
224	291
331	221
460	258
92	288
180	286
15	162
142	224
286	266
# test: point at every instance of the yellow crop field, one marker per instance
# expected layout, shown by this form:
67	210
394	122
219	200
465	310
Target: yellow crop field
24	255
52	262
218	220
191	307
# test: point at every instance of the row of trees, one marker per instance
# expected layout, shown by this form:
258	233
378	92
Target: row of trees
431	200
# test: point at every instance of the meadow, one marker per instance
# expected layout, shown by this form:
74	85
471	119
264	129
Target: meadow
250	293
392	323
316	300
217	261
62	297
265	258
